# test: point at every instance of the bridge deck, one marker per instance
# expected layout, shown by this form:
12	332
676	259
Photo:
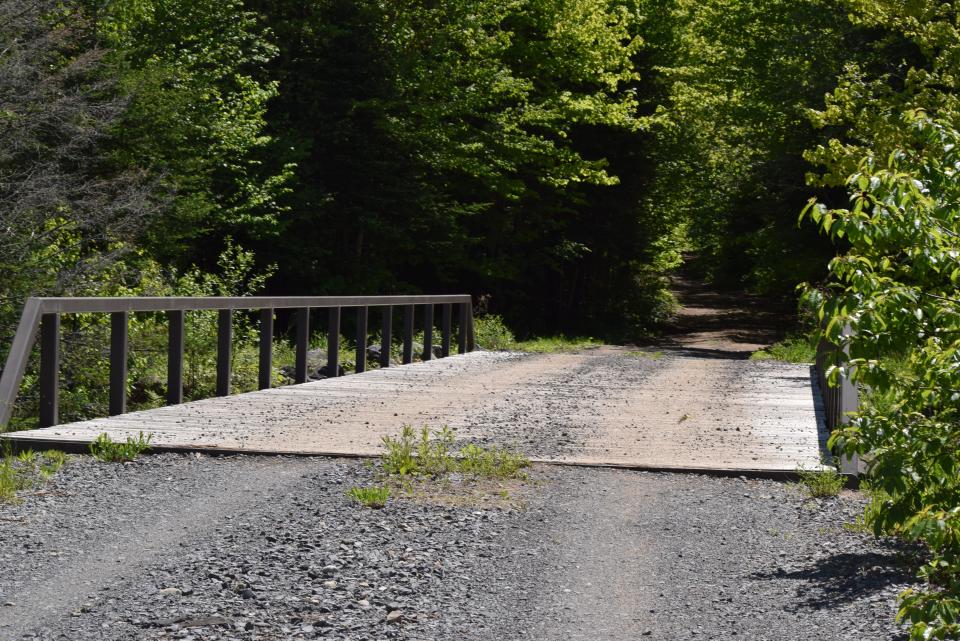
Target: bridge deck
605	406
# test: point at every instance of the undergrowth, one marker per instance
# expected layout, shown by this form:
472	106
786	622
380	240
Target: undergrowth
492	334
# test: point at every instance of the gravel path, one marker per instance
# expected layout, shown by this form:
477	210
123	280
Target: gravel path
176	546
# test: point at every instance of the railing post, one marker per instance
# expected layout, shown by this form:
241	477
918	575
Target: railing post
49	370
462	330
363	313
386	336
471	337
427	332
303	343
119	322
408	312
175	329
224	350
445	330
333	343
266	348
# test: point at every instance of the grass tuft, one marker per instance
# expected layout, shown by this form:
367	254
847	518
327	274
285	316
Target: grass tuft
27	470
557	344
373	497
818	484
793	349
104	449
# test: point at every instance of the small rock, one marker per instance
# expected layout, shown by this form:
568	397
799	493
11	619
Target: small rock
394	616
170	592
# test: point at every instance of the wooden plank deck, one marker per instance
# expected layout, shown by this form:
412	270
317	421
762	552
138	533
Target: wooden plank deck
597	407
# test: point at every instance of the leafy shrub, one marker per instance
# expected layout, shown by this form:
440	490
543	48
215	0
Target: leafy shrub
491	333
104	449
896	289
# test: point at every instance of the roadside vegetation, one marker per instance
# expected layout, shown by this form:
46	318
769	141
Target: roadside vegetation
493	334
27	470
103	448
820	483
797	348
426	464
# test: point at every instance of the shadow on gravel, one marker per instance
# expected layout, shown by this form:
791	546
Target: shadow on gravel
702	352
847	577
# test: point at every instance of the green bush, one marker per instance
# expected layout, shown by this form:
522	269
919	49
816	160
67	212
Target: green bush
895	287
821	483
491	333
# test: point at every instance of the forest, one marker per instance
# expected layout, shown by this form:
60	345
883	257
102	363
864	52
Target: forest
556	159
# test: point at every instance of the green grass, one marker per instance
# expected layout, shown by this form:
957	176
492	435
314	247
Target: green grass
818	484
27	470
104	449
556	344
373	497
653	356
793	349
492	334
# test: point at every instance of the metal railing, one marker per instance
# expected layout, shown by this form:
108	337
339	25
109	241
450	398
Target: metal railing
43	314
839	400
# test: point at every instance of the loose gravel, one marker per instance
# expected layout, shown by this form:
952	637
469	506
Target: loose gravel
187	547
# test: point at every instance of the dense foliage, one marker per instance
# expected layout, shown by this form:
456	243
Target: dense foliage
897	283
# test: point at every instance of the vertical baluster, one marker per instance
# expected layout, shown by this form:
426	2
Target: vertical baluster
427	332
224	350
333	343
49	370
175	320
462	330
386	336
362	316
266	348
303	344
471	336
445	330
119	321
408	312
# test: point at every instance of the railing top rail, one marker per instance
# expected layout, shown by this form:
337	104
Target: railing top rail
193	303
35	308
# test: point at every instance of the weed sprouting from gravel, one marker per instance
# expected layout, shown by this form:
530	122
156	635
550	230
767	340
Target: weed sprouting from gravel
820	483
492	463
27	470
424	463
372	497
430	454
104	449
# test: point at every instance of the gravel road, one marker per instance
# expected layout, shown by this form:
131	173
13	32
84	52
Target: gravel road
194	547
187	547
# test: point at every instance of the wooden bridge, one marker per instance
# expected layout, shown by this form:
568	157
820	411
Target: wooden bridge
680	409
